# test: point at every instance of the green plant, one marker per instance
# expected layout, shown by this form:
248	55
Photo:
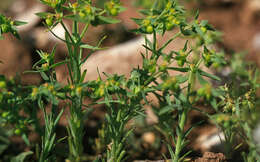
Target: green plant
238	110
125	98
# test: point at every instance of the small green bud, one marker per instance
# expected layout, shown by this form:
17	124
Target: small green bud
45	66
207	57
163	66
146	22
201	92
149	29
180	62
49	21
114	12
172	11
2	85
88	9
169	26
203	29
82	14
168	5
18	131
5	114
216	65
137	89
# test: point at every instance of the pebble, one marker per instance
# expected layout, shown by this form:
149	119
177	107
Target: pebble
256	42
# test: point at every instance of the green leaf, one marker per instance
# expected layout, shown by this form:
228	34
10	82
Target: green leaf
203	22
211	76
83	76
198	30
87	46
145	12
25	139
182	79
58	64
137	21
178	69
44	76
201	80
21	157
77	18
18	23
4	141
58	117
165	109
42	14
184	31
197	14
107	20
171	151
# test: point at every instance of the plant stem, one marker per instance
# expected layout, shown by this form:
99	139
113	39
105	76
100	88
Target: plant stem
76	126
183	118
180	138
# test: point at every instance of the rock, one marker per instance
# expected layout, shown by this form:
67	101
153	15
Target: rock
28	15
218	2
149	137
256	42
120	59
211	139
250	12
256	135
15	57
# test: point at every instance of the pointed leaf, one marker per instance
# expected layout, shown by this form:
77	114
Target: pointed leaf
21	157
209	75
87	46
108	20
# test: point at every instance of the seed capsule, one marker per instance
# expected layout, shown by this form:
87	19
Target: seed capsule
169	26
114	12
149	29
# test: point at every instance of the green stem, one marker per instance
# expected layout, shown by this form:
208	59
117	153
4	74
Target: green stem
67	31
183	119
180	137
84	31
76	126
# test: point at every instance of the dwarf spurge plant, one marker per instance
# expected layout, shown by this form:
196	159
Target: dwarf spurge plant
177	92
79	12
238	110
125	98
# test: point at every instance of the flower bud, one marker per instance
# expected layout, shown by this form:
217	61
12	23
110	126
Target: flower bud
149	29
49	21
114	12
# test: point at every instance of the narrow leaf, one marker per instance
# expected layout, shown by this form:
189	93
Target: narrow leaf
209	75
21	157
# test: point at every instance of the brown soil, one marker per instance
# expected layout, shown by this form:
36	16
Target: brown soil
212	157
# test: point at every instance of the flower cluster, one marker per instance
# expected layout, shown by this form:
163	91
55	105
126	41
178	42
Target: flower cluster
9	26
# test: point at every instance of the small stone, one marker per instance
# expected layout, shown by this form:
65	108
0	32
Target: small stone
256	42
256	135
149	137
